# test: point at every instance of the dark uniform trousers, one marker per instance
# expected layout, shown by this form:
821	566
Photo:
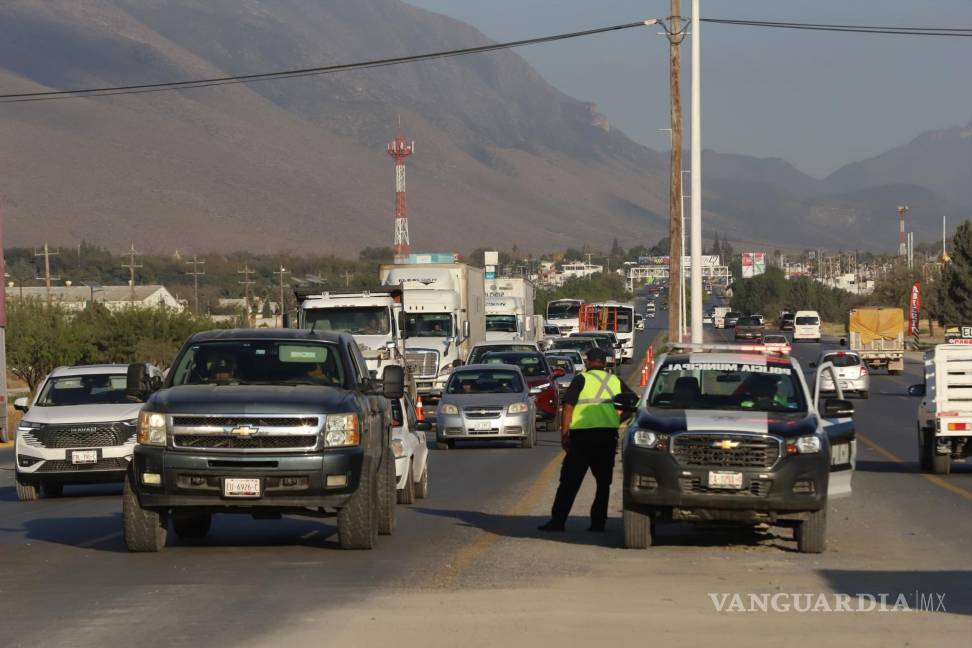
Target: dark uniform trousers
592	449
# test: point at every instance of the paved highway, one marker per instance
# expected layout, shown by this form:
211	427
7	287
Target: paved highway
466	566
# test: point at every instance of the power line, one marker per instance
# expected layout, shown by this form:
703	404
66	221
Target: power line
859	29
301	72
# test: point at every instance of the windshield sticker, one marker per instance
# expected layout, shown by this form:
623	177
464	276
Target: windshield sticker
726	366
302	353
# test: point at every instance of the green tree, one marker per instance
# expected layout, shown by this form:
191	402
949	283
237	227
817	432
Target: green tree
39	338
957	279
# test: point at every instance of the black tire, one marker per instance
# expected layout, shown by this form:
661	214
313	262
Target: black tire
358	520
192	527
52	489
637	529
865	395
407	495
941	463
26	492
422	485
811	533
144	529
387	493
926	451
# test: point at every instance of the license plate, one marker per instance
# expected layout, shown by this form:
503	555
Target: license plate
719	479
840	454
481	425
235	487
84	457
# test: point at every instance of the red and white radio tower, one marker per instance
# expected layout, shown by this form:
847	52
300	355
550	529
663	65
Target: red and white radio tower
399	149
902	243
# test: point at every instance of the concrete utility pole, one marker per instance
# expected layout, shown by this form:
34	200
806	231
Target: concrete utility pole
132	266
47	254
696	241
280	307
195	274
246	283
348	276
4	431
676	243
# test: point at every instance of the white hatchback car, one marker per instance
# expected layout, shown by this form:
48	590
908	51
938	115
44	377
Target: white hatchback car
852	374
80	429
411	452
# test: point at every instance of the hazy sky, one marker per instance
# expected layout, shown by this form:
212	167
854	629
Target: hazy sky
816	99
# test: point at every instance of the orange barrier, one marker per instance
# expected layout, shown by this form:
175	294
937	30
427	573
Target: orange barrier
419	410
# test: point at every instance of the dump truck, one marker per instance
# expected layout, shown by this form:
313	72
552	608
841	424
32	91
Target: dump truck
877	335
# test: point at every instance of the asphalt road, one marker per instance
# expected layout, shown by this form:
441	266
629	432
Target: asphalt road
466	567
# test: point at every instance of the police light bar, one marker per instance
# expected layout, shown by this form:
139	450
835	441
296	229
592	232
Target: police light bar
745	348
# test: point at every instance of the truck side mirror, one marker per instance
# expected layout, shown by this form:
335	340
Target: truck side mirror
837	408
843	341
626	402
21	404
393	382
136	385
465	328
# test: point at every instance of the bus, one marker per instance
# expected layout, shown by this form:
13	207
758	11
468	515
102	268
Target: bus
611	316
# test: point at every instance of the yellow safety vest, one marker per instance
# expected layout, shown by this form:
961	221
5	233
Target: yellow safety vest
595	406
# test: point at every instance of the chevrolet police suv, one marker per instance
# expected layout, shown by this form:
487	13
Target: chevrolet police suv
734	433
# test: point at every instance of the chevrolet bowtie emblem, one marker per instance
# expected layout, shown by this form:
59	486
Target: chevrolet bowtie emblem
726	444
244	431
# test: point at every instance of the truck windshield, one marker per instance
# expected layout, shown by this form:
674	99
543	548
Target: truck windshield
501	323
624	320
428	325
685	385
88	389
259	362
359	320
563	310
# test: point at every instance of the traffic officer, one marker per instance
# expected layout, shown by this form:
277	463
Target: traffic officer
589	434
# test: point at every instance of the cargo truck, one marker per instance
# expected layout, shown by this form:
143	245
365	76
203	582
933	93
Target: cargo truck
945	412
509	310
563	314
444	309
877	335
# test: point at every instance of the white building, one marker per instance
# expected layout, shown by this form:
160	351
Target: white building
578	269
112	297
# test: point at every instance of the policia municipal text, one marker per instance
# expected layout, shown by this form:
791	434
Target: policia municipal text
589	434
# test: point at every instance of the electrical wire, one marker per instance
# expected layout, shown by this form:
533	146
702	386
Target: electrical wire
302	72
859	29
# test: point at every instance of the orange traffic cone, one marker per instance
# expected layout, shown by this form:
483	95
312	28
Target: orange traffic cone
419	410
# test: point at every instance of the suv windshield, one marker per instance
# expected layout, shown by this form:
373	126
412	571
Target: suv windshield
842	359
428	325
501	323
479	352
771	387
370	320
605	341
88	389
259	362
581	344
487	381
532	365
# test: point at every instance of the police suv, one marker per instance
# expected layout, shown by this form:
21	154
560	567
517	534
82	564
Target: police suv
733	433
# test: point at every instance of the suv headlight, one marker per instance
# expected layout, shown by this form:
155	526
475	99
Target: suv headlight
804	445
151	428
341	430
519	408
540	388
448	409
27	426
649	439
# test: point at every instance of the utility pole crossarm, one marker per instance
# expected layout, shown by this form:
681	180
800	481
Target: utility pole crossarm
195	274
131	266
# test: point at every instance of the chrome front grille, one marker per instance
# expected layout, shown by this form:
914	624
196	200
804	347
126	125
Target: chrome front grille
81	435
740	451
482	412
424	364
231	433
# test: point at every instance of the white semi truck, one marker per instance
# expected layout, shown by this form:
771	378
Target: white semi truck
444	313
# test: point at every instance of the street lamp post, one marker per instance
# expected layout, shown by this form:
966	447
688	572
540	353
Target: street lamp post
696	192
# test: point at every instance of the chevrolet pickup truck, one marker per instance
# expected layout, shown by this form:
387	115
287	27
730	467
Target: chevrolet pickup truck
264	422
749	328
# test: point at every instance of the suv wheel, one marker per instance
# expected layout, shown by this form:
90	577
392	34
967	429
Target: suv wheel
637	530
811	533
387	492
358	520
26	492
144	529
192	527
407	495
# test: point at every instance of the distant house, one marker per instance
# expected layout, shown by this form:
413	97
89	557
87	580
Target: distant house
112	297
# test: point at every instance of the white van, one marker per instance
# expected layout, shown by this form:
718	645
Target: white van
806	326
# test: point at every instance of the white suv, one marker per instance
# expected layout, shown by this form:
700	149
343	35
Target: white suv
80	429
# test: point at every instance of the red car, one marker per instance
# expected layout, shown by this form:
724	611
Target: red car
542	380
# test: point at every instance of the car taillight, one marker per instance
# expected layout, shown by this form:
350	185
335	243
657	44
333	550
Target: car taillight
958	427
863	370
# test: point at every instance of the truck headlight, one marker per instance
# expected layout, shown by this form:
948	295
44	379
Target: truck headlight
151	428
448	409
649	439
804	445
341	430
519	408
398	447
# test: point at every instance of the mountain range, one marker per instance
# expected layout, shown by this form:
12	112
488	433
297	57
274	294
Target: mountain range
502	158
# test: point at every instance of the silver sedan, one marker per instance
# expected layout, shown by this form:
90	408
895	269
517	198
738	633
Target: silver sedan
486	402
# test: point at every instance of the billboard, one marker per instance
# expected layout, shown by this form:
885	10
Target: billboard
753	264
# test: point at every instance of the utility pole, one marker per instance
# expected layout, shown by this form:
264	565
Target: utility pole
195	274
132	266
696	192
675	230
280	307
246	283
348	276
47	254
